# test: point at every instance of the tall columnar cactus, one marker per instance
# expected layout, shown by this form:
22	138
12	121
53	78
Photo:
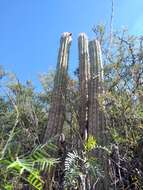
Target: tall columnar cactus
97	122
83	82
96	116
57	108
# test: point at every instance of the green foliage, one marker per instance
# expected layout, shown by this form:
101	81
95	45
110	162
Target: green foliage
79	168
72	169
30	167
90	143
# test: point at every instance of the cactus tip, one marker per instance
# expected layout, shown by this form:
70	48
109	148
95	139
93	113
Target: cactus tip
82	34
67	34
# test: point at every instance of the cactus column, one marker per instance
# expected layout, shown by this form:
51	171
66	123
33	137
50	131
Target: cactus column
57	108
96	109
96	116
83	82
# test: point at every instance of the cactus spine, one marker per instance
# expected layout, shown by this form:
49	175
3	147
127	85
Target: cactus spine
57	108
83	82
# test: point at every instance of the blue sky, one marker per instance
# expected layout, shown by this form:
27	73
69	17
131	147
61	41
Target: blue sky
30	30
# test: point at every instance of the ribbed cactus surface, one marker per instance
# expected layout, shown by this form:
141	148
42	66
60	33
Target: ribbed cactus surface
57	107
83	83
